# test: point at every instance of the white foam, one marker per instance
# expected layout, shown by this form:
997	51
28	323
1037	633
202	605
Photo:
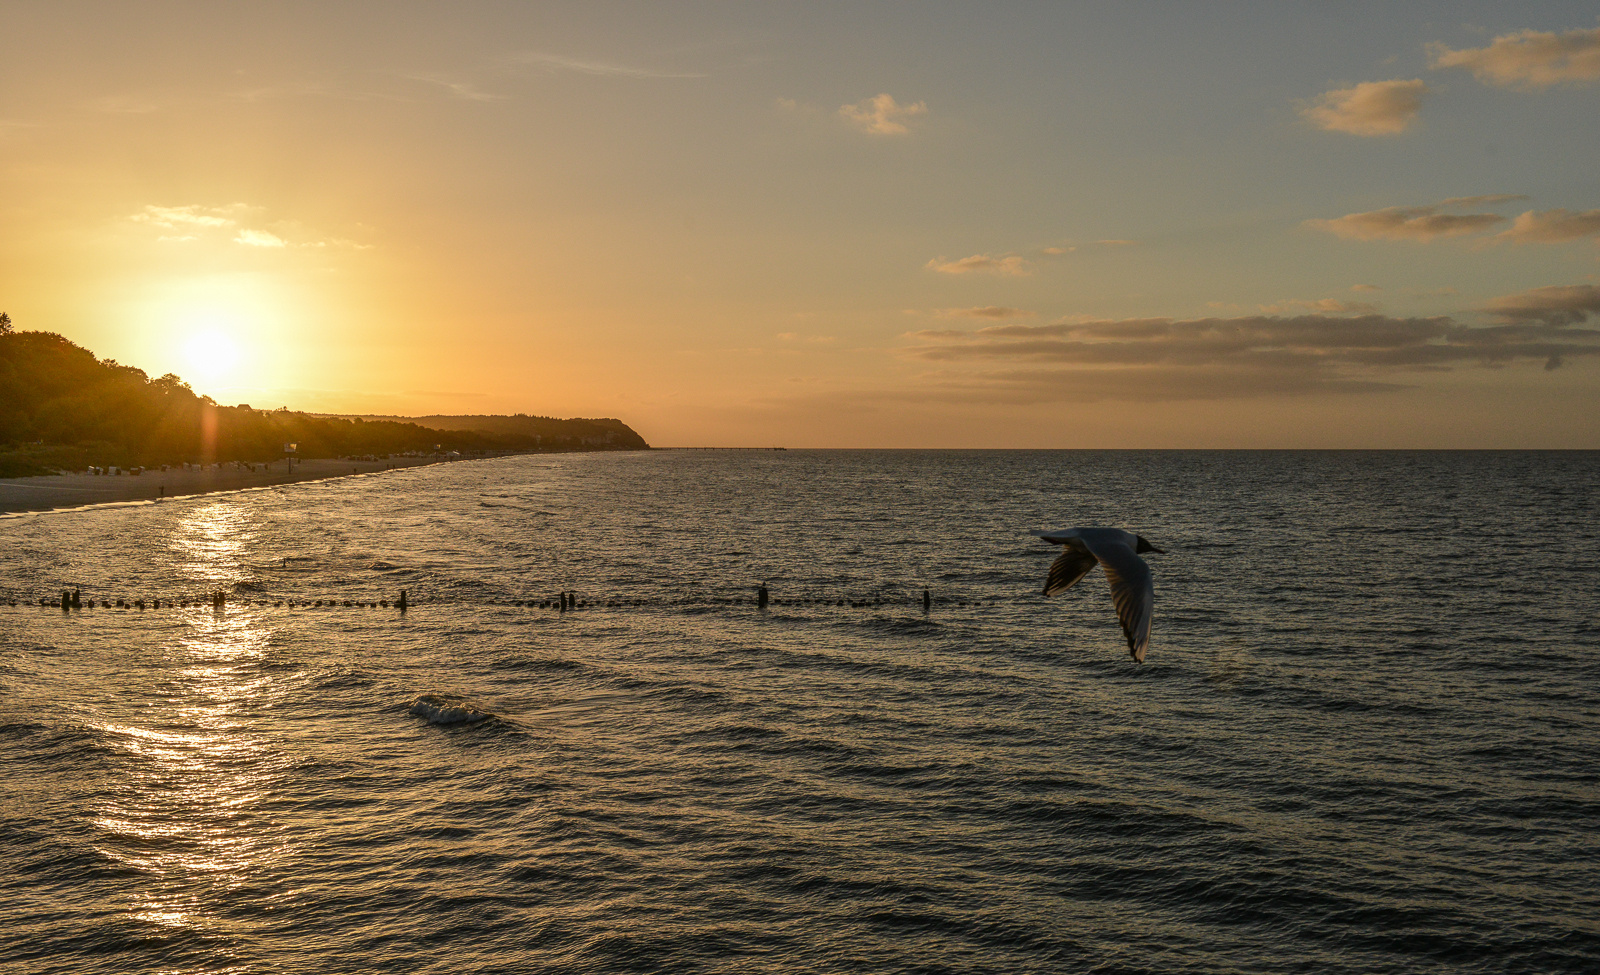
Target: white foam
439	709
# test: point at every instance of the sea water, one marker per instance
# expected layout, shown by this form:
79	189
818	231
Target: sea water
1364	738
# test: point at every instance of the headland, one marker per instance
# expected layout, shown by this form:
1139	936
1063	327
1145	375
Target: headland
76	430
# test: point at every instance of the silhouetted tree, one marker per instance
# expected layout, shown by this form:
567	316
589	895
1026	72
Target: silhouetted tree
5	323
54	393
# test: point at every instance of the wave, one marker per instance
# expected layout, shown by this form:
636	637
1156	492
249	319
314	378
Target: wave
896	625
441	709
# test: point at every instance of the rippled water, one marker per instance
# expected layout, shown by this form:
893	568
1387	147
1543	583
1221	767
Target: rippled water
1364	739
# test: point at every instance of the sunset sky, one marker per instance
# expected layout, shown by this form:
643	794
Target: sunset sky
829	225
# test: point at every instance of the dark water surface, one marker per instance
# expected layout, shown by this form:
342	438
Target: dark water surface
1365	739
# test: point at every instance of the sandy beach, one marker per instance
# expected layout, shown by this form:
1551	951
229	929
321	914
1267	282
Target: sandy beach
60	491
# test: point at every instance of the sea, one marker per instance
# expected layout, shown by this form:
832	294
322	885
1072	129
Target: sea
1365	739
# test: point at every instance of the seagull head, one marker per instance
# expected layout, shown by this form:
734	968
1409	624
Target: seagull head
1144	546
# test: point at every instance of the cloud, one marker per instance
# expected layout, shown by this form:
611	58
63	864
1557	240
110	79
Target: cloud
194	222
991	312
1407	223
1332	306
1481	201
189	216
1056	251
557	62
1161	358
1556	305
1166	384
340	242
1365	287
258	238
882	115
1426	223
982	263
460	89
1527	60
1370	108
1552	226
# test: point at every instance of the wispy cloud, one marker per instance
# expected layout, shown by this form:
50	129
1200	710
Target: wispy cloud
196	222
1011	266
1407	223
1552	226
1061	250
1328	306
258	238
557	62
341	243
882	115
1556	305
1427	223
991	312
455	87
1372	108
1160	358
1487	200
1527	60
190	216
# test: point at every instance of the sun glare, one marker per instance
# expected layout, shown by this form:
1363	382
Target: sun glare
223	334
212	355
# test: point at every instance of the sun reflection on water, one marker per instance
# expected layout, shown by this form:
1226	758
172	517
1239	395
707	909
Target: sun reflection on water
209	544
189	813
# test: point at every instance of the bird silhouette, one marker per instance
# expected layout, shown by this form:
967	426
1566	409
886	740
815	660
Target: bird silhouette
1117	551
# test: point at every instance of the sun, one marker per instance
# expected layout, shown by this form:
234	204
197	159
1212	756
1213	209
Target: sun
214	331
212	355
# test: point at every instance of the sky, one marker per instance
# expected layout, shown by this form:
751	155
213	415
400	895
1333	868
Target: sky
1272	225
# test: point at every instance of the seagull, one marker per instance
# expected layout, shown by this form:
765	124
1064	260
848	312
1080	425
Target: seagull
1118	552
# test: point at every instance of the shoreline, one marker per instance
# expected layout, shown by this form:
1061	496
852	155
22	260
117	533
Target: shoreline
71	492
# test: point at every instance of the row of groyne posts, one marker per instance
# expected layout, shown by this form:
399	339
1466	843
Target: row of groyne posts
72	599
563	602
568	601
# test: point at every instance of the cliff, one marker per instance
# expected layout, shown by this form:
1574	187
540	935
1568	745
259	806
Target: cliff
543	431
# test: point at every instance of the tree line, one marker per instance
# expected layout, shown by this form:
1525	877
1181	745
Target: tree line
62	408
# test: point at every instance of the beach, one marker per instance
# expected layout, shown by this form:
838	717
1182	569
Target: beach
61	491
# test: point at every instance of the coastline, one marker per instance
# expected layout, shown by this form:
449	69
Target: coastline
65	492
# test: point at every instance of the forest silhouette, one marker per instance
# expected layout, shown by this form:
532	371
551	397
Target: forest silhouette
61	408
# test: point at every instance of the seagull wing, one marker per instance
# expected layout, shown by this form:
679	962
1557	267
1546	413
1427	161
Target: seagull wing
1065	571
1133	592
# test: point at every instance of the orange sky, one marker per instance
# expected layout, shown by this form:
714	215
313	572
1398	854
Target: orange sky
815	225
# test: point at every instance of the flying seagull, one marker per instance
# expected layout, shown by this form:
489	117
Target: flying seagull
1118	552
